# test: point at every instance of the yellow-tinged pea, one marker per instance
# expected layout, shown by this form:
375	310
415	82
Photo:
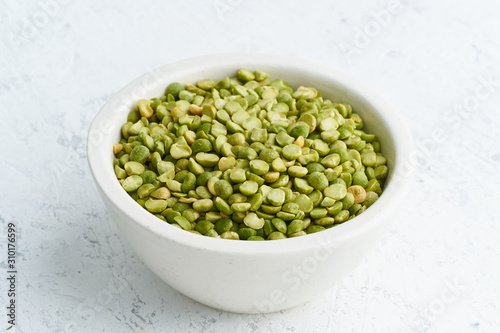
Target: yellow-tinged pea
226	163
358	192
145	108
299	141
117	147
195	109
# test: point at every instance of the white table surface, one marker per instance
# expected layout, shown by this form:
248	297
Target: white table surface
438	269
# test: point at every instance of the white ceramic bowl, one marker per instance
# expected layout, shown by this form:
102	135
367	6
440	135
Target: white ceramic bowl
240	276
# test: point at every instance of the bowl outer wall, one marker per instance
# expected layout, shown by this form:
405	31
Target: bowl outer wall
251	277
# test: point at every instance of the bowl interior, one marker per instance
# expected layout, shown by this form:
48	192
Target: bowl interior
378	117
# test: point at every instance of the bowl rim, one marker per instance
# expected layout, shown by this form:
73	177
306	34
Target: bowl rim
379	212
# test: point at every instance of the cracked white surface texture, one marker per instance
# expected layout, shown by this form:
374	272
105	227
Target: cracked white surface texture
436	271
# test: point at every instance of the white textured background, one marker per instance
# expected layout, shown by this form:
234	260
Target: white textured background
438	270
